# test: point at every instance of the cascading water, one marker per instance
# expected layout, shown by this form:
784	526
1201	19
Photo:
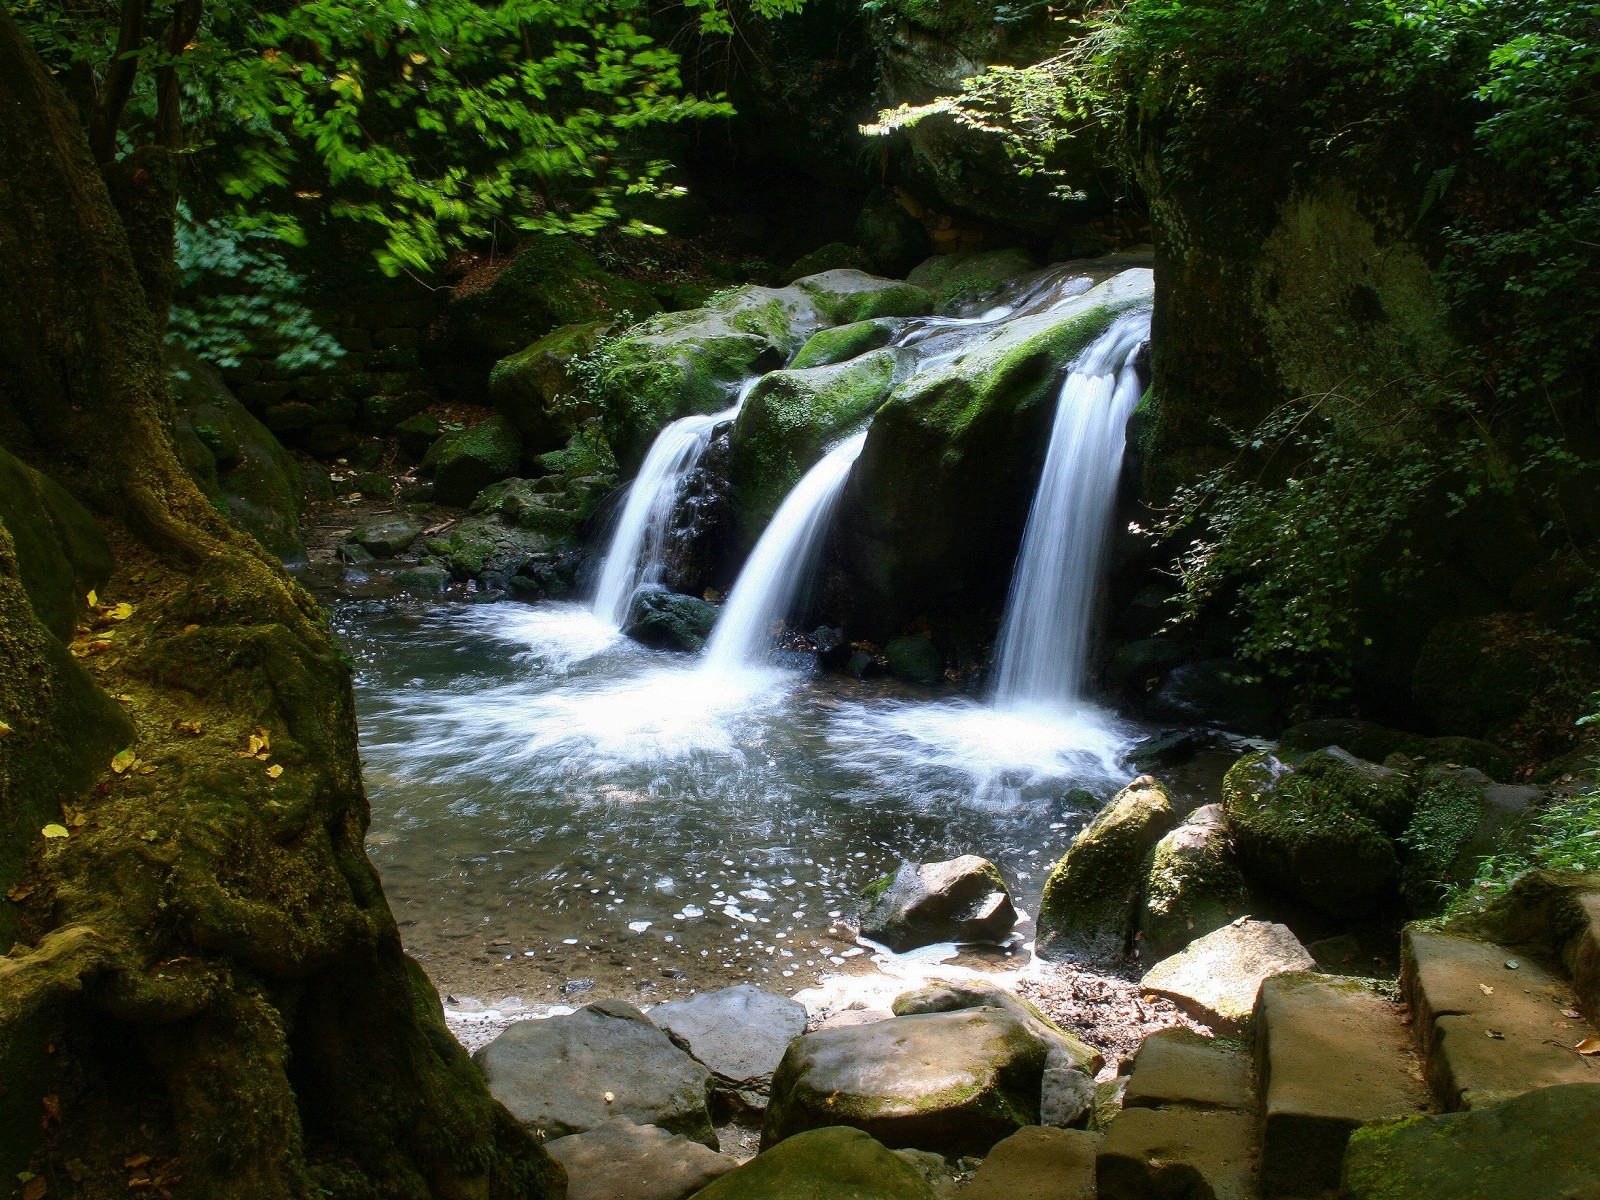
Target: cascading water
1044	637
781	563
638	545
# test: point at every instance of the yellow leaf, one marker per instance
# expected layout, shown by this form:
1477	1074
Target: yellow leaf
54	831
1589	1047
72	816
94	599
124	760
192	728
19	893
4	729
121	612
274	771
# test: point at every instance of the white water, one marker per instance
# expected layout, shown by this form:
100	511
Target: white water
1044	637
781	564
638	547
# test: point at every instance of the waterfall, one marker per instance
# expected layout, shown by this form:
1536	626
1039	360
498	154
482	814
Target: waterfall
1044	638
638	546
781	564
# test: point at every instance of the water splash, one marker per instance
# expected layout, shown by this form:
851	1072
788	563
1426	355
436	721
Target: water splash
1044	637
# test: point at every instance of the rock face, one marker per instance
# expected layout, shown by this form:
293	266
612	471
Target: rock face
1537	1147
61	553
554	1074
837	1163
740	1033
465	463
670	621
961	900
1089	905
952	1082
1038	1164
1192	886
1216	978
623	1161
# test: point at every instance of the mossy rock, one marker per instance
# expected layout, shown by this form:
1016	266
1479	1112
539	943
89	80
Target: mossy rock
956	279
789	420
535	391
849	296
1192	885
465	463
527	504
670	621
915	659
835	256
843	342
894	239
1376	743
416	434
1089	908
61	553
833	1163
1321	830
487	546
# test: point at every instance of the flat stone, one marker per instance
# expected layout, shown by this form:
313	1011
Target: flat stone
623	1161
954	1082
1037	1164
959	900
385	539
836	1163
740	1033
554	1074
951	996
1066	1097
1540	1146
1333	1056
1488	1032
1178	1152
1215	978
1180	1067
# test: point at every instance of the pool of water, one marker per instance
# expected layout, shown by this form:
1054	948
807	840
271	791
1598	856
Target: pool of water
554	805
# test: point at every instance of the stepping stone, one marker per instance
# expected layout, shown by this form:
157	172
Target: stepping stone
949	996
1215	978
1488	1031
823	1164
953	1082
960	900
1179	1153
555	1074
385	539
1540	1146
1331	1057
740	1033
623	1161
1037	1164
1179	1067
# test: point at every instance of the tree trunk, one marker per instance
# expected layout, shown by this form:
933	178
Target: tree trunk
207	994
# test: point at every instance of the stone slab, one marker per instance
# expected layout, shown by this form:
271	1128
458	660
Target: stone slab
1215	978
1177	1152
1180	1067
740	1033
1037	1164
623	1161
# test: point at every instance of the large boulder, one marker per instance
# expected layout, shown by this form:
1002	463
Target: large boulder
623	1161
1321	829
741	1034
668	620
60	551
961	900
1215	978
1038	1164
466	462
956	279
930	521
950	996
536	391
839	343
567	1074
846	296
951	1082
1192	886
837	1163
1089	907
894	238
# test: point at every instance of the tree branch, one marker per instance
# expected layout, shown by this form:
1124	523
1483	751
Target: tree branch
124	69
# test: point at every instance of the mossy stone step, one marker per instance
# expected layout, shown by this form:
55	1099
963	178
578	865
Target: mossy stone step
1331	1055
1178	1152
1182	1068
1488	1030
1037	1164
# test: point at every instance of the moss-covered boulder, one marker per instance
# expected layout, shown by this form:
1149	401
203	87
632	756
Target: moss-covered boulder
535	391
1375	743
915	659
466	462
841	342
787	423
490	550
1321	829
847	296
835	256
235	459
836	1162
951	1082
931	519
667	620
386	538
954	279
1540	1146
1089	907
1192	886
60	553
545	506
894	238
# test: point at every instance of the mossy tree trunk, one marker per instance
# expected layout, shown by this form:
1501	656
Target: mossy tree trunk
206	990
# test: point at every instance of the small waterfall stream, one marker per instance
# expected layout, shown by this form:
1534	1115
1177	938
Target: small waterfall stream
1044	638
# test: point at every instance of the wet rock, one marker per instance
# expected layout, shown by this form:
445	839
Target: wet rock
483	547
961	900
740	1033
1038	1164
623	1161
1540	1146
894	239
532	504
465	463
954	1082
915	659
1215	978
849	296
948	996
356	555
386	539
426	580
1088	909
1192	886
1163	750
669	621
955	279
839	1163
841	343
554	1074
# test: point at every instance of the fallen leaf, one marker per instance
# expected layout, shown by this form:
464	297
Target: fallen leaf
1486	989
72	816
1495	1034
18	893
55	831
192	728
4	729
35	1188
121	612
1589	1047
190	628
123	760
146	769
135	1160
93	598
274	771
